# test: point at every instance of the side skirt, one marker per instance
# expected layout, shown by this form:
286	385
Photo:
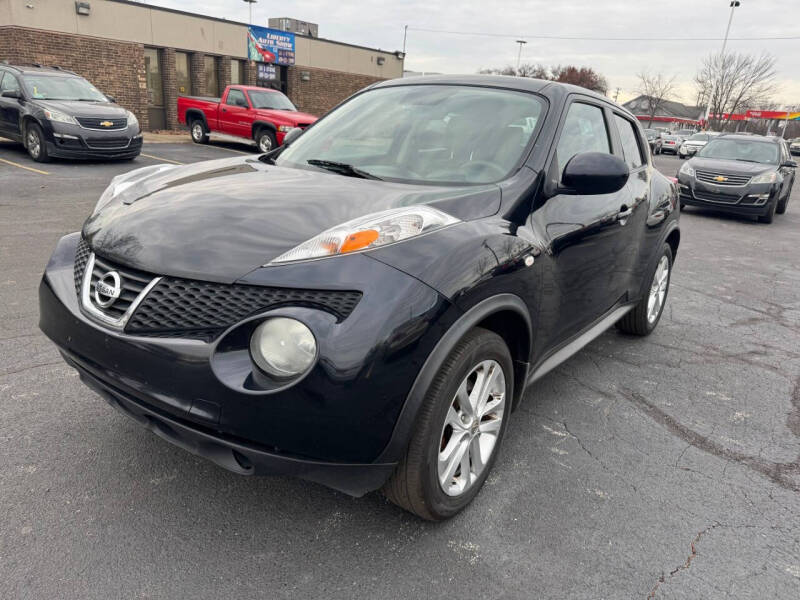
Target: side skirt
577	343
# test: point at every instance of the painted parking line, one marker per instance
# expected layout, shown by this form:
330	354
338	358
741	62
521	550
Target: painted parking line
175	162
13	164
228	149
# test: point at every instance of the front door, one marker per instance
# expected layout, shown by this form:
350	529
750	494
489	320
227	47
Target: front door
10	107
587	236
233	114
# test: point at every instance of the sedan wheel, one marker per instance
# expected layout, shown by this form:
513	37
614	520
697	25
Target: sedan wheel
458	429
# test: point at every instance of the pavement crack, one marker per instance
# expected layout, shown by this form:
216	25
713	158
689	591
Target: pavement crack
686	564
30	367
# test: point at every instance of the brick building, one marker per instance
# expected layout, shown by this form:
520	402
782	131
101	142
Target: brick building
146	56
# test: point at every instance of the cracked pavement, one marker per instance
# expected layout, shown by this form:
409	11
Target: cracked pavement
664	467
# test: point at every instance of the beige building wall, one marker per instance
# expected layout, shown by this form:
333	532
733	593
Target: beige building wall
157	27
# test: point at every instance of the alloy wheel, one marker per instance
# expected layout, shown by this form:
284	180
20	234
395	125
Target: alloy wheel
471	428
265	143
34	143
658	289
197	131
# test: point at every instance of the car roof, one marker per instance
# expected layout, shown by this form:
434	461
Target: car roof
553	90
35	68
750	138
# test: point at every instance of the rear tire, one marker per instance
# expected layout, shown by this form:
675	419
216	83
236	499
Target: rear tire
198	131
452	451
35	144
644	317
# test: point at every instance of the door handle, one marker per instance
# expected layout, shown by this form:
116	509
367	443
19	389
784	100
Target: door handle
624	212
224	110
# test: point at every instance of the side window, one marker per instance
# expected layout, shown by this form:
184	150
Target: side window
236	98
630	146
9	82
584	131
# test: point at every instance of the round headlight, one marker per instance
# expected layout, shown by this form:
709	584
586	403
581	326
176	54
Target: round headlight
282	347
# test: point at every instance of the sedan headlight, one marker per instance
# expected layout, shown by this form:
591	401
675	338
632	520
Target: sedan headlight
768	177
687	170
59	117
371	231
132	120
283	347
122	182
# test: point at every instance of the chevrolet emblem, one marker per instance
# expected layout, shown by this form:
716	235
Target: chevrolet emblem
106	124
720	178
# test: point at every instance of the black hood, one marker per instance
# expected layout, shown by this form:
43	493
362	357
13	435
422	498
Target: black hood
75	108
221	219
730	167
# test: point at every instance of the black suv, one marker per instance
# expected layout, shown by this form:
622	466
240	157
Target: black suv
56	113
743	174
367	313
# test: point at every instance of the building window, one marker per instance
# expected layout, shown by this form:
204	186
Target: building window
212	82
237	72
183	74
152	68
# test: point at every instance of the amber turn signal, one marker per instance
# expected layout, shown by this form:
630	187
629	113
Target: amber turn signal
358	240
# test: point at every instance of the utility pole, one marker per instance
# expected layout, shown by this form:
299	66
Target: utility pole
251	2
519	55
616	94
405	35
734	4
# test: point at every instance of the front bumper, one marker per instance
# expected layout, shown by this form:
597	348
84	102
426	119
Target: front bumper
329	427
73	141
685	150
750	199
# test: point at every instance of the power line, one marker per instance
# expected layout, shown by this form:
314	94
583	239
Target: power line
604	39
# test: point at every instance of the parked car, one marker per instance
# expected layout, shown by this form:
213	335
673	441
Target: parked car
693	143
365	306
654	140
794	146
743	174
252	113
671	143
685	133
55	113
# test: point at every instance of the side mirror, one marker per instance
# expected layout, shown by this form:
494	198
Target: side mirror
789	163
110	98
291	136
594	173
11	94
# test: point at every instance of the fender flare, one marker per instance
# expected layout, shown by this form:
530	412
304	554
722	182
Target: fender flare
193	113
262	125
404	425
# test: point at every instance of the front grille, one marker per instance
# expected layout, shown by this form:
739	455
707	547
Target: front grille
303	125
132	282
182	306
82	253
719	198
95	123
108	143
710	177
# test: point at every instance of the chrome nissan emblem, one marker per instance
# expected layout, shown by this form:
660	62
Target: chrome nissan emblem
107	289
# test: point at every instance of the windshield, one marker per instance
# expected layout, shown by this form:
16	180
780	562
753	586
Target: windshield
424	133
270	100
59	87
699	137
760	152
650	133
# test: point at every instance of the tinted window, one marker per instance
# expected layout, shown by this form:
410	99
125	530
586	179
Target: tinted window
8	82
236	98
630	147
210	67
584	131
183	73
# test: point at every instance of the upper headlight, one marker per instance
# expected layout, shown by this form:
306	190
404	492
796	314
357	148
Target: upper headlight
687	170
768	177
371	231
132	120
59	117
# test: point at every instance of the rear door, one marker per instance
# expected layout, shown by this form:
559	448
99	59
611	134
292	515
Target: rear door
585	234
10	108
235	114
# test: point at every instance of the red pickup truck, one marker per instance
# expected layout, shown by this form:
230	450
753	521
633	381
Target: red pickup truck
249	112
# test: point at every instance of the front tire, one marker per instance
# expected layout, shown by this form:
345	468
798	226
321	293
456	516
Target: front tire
265	140
644	317
767	218
35	144
781	208
458	431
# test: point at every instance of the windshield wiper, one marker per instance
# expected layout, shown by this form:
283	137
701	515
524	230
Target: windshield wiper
341	168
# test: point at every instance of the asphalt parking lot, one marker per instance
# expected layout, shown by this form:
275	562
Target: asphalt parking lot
665	467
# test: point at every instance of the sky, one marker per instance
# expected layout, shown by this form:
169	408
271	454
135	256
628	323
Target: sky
380	24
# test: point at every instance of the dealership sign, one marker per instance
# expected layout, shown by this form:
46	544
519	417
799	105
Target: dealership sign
270	45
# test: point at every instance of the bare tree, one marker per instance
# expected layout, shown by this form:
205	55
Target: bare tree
582	76
657	88
734	82
534	71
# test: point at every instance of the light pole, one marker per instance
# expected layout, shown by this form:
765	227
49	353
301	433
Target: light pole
519	54
251	2
734	5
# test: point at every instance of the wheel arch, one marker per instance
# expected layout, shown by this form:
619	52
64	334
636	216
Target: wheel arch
258	125
505	314
195	113
674	240
27	120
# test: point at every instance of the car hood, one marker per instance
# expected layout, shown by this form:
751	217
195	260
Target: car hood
694	143
221	219
292	116
84	109
730	167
